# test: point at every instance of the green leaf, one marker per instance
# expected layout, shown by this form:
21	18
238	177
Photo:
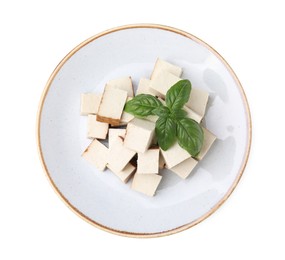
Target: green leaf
161	111
165	129
178	114
190	135
142	105
178	95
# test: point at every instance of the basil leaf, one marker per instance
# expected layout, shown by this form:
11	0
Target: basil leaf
178	95
142	105
165	129
161	111
178	114
190	135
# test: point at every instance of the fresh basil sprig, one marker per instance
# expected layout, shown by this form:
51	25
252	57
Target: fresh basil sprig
173	122
143	105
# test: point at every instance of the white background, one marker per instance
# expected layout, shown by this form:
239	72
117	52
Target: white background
36	35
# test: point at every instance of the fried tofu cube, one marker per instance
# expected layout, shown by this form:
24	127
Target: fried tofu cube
184	168
144	87
96	154
148	162
139	135
162	65
119	155
114	133
111	106
174	155
198	101
90	103
146	183
125	174
96	129
124	83
209	139
162	83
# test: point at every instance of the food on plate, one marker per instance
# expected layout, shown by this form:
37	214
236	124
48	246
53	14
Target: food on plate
148	162
90	103
96	129
112	105
146	183
124	83
162	65
119	155
97	154
157	128
139	135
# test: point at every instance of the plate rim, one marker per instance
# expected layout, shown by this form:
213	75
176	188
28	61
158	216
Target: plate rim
134	234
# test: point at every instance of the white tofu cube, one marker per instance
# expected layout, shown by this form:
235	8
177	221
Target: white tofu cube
124	83
139	135
184	168
209	139
162	65
162	83
148	161
161	161
126	117
144	87
125	174
119	155
114	133
96	129
90	103
174	155
193	115
112	105
198	101
96	154
146	183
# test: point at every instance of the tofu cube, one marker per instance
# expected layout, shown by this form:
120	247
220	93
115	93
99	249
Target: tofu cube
96	129
162	65
90	103
162	83
174	155
144	87
139	135
198	101
124	83
119	155
125	174
193	115
146	183
161	161
209	139
184	168
114	133
148	161
96	154
126	117
111	106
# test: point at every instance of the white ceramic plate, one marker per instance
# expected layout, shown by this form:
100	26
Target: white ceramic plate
101	198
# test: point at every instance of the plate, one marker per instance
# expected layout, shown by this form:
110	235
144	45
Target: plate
101	198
